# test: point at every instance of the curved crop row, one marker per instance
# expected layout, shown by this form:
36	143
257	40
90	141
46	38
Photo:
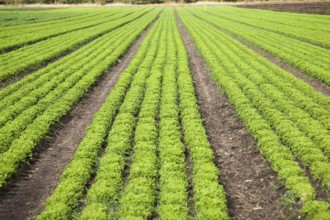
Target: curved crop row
32	56
310	121
76	175
44	26
19	18
243	86
46	16
34	124
314	32
295	18
20	112
37	34
312	60
309	21
301	116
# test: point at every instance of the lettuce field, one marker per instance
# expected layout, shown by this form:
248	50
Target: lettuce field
162	112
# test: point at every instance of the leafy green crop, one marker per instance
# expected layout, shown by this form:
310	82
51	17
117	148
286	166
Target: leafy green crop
65	197
267	101
41	113
15	37
33	56
142	171
306	30
173	182
310	59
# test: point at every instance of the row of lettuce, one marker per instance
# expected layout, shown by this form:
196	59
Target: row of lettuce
147	143
287	117
16	36
31	57
311	59
150	122
314	29
22	17
29	107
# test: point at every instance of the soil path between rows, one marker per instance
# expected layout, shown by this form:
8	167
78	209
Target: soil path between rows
252	188
317	7
26	194
315	83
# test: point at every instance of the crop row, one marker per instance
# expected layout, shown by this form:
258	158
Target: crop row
78	172
44	26
20	18
14	39
141	99
307	109
173	179
26	28
209	196
307	31
145	148
312	60
49	99
32	56
282	15
253	86
138	196
17	109
40	83
309	21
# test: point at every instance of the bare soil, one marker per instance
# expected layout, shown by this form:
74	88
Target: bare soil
253	190
297	7
189	171
25	195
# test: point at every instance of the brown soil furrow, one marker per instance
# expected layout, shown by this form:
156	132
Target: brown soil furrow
189	173
316	84
25	195
253	189
317	7
201	76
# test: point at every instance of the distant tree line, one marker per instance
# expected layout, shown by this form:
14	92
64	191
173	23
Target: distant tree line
16	2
